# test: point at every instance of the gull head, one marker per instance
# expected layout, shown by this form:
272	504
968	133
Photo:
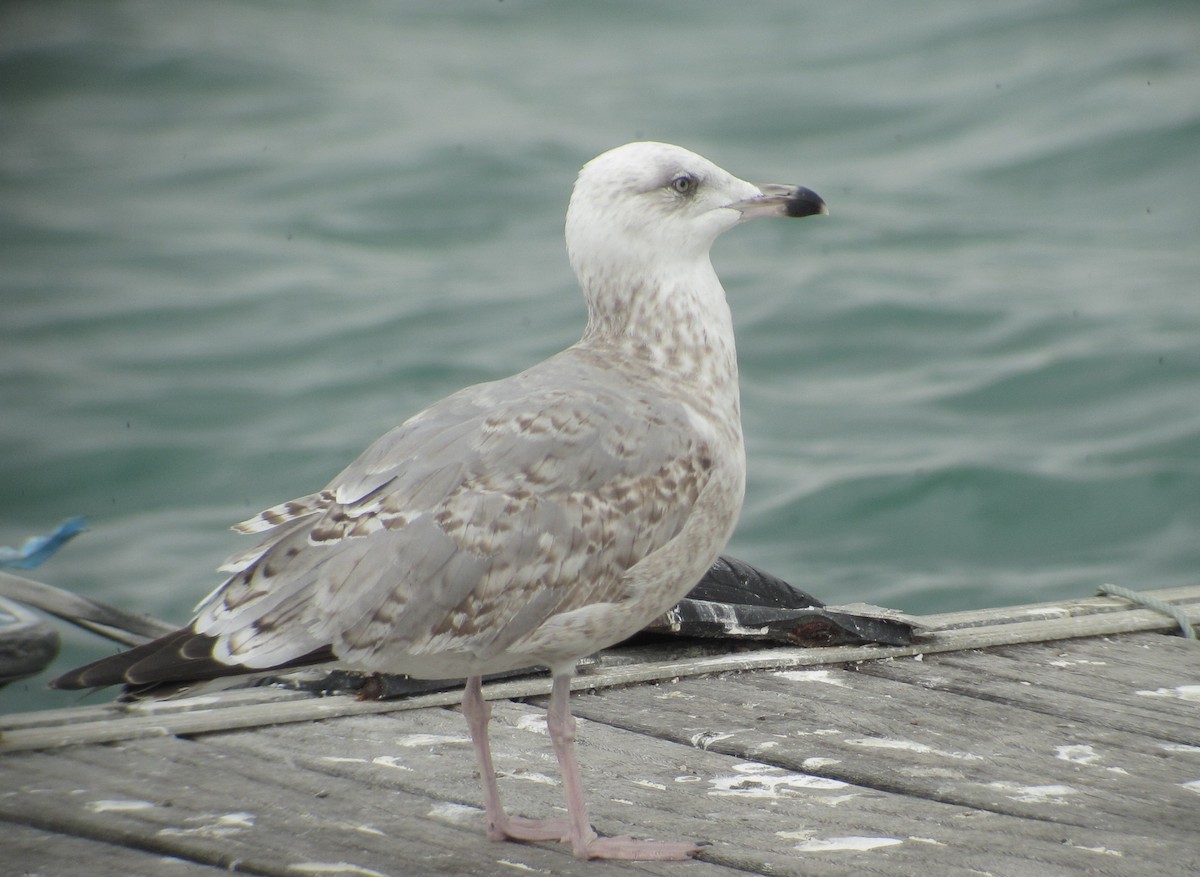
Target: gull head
646	205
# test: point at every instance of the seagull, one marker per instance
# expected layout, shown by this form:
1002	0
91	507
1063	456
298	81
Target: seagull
528	521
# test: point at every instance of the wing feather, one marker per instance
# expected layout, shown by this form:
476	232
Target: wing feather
468	526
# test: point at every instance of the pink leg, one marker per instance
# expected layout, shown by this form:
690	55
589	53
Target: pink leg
500	826
584	842
576	829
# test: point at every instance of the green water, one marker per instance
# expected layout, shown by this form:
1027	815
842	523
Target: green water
240	240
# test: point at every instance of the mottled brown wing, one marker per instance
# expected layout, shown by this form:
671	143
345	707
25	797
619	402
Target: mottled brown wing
469	525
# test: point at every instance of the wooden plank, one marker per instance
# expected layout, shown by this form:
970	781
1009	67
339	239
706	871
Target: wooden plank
760	816
386	793
32	853
1153	656
924	743
214	714
1103	693
428	755
1089	605
116	712
1062	757
239	811
225	711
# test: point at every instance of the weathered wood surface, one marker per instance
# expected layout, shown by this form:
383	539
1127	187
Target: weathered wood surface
1053	758
1092	616
76	857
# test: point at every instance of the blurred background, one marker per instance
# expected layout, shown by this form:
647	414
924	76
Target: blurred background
240	240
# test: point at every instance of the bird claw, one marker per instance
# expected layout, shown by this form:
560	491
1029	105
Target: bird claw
519	828
638	850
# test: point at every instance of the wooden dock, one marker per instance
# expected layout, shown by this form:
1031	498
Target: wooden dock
1056	739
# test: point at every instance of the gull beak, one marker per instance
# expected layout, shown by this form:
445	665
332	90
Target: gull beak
778	200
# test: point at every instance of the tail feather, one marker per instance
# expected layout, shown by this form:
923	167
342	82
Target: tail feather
180	657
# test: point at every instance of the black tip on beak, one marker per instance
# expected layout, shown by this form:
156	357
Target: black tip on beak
804	202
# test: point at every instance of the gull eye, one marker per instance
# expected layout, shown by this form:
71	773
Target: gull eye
684	184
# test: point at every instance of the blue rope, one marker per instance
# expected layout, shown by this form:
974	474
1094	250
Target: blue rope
1154	603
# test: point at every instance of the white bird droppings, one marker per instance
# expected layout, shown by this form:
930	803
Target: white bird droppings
754	780
647	784
707	738
849	843
534	724
412	741
828	677
390	761
531	776
334	868
521	866
1179	747
816	763
1078	753
456	814
1050	794
221	826
1104	851
1179	692
118	806
911	746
